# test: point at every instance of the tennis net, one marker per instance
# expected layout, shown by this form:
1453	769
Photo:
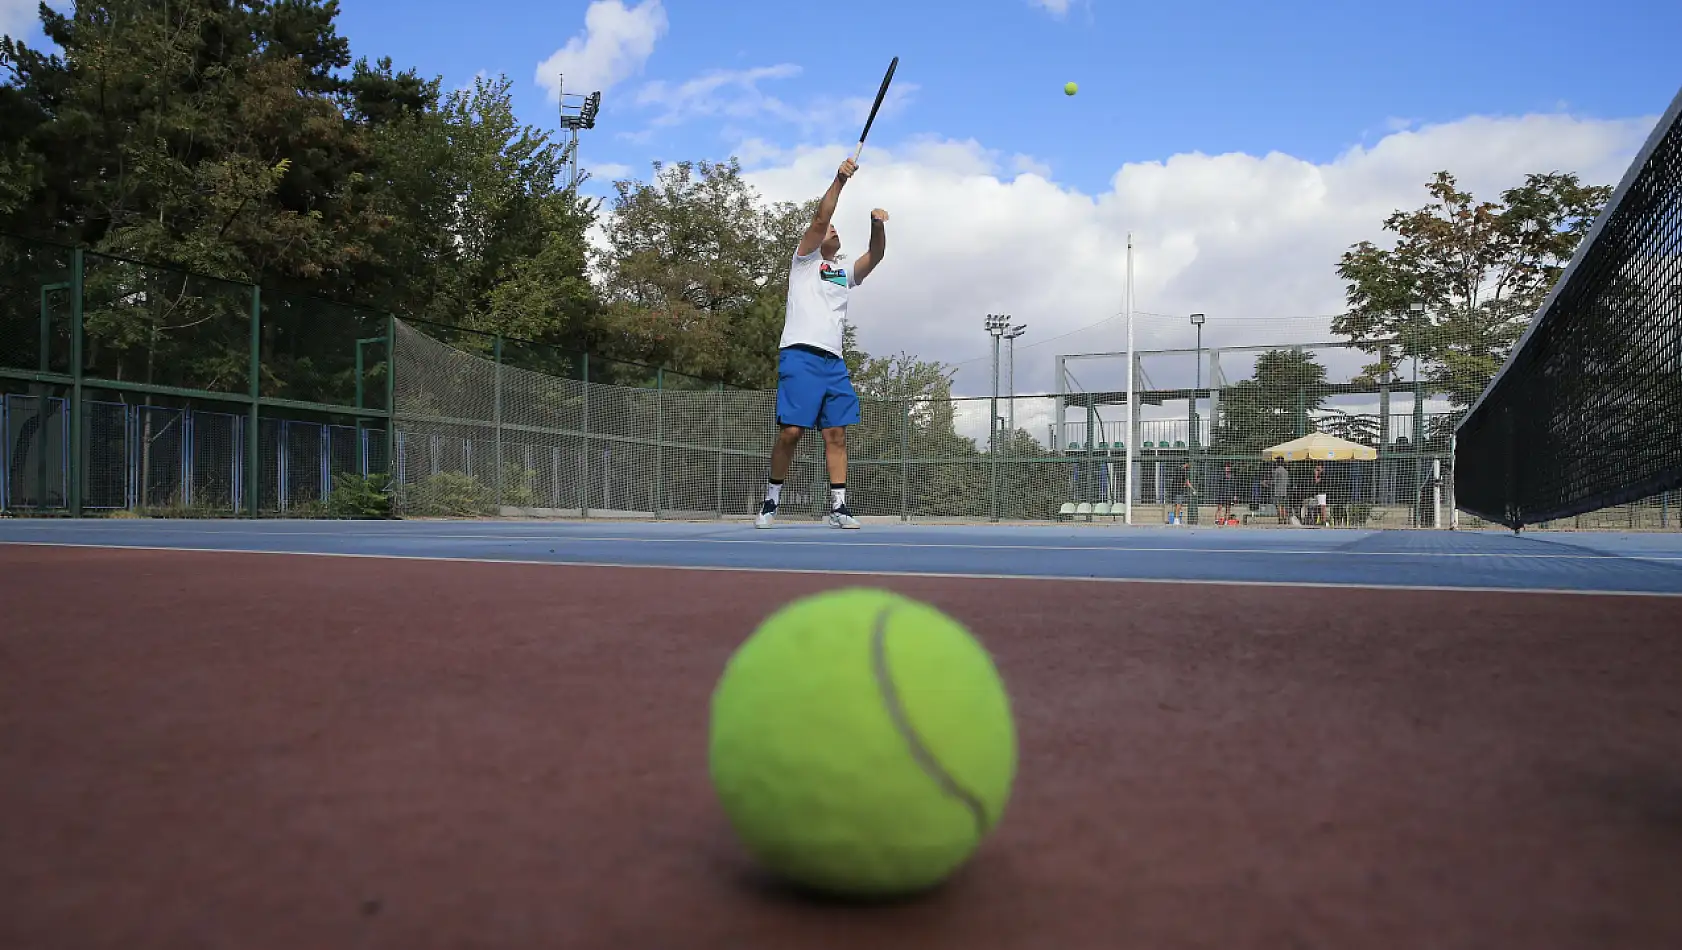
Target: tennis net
1587	412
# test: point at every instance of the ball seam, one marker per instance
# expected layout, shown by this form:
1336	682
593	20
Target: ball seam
920	751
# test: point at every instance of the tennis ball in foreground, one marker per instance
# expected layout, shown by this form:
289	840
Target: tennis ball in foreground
862	744
1069	89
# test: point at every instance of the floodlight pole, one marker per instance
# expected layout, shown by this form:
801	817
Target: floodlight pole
571	122
1196	321
1010	375
1416	311
1132	412
996	325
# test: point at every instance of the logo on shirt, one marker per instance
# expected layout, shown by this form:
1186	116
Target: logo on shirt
833	274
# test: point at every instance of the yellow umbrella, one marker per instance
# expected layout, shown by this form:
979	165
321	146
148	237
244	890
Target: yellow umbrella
1321	448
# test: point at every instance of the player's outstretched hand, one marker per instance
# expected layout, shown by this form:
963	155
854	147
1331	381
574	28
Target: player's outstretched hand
878	215
846	170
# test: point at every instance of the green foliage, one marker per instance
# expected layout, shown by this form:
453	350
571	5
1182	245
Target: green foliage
450	495
696	272
1272	406
1480	268
360	497
238	140
1360	429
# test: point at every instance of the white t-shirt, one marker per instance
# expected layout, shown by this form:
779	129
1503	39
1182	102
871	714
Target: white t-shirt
817	302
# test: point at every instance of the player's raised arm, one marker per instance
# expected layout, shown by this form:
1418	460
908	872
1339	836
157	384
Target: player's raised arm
878	246
818	230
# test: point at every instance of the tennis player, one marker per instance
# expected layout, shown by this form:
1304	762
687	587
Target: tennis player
814	390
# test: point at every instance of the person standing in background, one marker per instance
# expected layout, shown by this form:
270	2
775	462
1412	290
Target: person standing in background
1281	490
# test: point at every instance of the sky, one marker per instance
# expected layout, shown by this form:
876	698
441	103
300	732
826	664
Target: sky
1243	146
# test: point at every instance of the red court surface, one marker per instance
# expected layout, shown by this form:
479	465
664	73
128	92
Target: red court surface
275	751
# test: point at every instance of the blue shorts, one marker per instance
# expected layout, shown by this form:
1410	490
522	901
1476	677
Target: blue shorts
814	390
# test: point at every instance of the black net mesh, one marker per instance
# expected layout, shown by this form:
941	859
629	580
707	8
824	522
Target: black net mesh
1588	412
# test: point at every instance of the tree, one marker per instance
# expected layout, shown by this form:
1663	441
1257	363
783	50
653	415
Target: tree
224	137
1273	405
483	232
1361	429
696	272
202	133
1480	268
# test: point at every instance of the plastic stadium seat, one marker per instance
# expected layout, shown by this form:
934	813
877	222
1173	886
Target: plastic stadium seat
1178	444
1084	508
1101	510
1074	446
1067	511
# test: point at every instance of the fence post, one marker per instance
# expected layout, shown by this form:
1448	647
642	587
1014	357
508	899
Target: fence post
720	503
77	268
659	435
390	399
584	423
496	416
254	371
905	460
43	399
993	459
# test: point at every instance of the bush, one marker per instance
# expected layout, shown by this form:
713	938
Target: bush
358	497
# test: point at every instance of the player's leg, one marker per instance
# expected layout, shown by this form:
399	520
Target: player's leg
799	399
840	410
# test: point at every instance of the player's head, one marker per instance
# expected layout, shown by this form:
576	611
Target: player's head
831	245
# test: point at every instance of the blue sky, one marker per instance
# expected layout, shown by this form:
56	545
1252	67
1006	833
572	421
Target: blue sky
1306	78
1242	147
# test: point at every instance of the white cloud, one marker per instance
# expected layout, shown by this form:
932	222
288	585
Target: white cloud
1239	237
606	172
1029	165
616	42
738	97
1057	8
721	93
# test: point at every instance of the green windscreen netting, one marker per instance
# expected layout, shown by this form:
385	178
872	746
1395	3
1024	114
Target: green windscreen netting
477	435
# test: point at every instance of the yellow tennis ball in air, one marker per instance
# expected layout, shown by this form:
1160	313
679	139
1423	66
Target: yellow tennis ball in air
1069	89
862	744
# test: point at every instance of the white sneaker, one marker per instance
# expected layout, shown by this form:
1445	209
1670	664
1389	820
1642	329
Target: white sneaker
767	515
842	518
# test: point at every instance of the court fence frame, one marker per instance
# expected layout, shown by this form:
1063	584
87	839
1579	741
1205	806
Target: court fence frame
304	394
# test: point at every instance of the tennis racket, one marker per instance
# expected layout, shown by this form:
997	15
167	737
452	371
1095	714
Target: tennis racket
881	94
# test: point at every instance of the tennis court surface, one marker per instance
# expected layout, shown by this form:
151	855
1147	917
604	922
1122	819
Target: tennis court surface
476	734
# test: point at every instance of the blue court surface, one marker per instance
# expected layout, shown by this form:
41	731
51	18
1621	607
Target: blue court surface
1585	562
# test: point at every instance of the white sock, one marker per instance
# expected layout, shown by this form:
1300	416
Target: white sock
774	492
837	498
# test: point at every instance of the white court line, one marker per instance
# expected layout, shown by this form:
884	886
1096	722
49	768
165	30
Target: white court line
954	575
763	540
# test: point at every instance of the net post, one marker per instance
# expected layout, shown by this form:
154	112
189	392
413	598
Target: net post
1509	457
1436	493
78	265
1453	459
254	395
